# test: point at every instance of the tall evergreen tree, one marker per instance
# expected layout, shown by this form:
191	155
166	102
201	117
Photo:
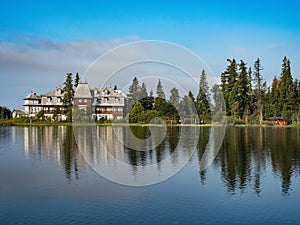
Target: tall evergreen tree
133	95
243	88
202	101
258	90
134	89
174	98
219	105
68	96
187	107
274	98
286	91
77	79
228	82
160	91
144	98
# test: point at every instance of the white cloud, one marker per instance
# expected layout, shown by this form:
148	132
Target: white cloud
40	64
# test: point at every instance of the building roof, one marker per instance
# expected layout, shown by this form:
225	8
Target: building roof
56	92
83	91
32	96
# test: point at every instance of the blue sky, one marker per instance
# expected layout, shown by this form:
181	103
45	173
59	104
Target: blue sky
40	42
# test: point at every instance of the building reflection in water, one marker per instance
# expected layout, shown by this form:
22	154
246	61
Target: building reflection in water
54	143
246	154
108	150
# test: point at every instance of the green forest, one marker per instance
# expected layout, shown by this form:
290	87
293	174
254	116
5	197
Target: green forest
243	95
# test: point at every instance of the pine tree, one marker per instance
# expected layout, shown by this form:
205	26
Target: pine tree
274	98
203	99
219	106
134	89
133	96
68	91
187	107
174	98
258	91
160	91
228	83
68	96
286	91
243	88
77	79
144	98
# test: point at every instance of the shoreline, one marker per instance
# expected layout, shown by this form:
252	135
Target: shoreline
8	123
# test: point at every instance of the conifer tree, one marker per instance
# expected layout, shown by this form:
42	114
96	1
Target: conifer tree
274	98
77	79
144	98
133	95
286	91
243	84
68	96
258	91
228	85
174	98
202	101
160	91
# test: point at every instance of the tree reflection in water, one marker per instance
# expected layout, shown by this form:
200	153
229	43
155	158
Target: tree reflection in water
247	152
245	155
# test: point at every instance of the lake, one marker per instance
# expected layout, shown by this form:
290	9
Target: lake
106	175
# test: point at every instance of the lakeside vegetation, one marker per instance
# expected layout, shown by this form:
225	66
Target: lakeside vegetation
242	98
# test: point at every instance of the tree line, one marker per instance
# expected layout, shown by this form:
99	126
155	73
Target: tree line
242	94
248	97
143	107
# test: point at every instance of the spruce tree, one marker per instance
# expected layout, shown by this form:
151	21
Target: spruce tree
228	85
258	91
174	98
133	95
286	91
274	98
203	100
144	98
68	96
77	79
160	91
243	88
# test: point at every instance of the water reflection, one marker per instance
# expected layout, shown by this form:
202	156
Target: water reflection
248	152
133	156
245	156
54	143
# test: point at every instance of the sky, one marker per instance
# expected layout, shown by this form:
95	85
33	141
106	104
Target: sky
41	41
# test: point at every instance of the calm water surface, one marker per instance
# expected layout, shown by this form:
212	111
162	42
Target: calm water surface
255	179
